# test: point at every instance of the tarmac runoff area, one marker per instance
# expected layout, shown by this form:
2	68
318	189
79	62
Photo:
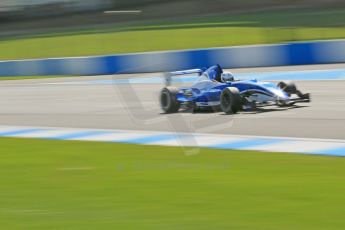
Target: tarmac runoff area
130	102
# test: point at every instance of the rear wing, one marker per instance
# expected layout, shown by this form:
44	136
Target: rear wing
168	76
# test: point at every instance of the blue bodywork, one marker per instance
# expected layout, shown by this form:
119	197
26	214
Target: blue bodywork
207	89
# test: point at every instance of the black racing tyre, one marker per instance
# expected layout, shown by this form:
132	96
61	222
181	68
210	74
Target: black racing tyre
288	87
230	100
281	84
168	99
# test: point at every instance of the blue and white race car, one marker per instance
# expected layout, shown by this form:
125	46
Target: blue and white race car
218	90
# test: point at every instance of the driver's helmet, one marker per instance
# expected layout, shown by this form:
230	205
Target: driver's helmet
227	77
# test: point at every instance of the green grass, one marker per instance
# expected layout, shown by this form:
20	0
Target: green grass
29	77
211	31
49	184
157	40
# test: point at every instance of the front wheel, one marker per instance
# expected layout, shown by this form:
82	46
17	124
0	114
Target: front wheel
288	87
230	100
168	100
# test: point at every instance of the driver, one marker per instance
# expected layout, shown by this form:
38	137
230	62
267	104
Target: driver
227	77
215	73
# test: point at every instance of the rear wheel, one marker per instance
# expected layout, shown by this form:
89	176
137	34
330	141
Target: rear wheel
168	100
230	100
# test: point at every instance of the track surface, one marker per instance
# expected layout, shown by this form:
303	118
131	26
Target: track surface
68	102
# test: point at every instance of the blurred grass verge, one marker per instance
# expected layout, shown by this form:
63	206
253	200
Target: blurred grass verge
48	184
200	32
157	40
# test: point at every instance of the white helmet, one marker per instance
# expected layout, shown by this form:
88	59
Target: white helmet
227	77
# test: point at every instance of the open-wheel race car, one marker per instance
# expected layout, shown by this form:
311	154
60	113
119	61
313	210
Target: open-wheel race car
217	90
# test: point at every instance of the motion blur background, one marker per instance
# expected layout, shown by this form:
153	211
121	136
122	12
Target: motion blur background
56	28
60	182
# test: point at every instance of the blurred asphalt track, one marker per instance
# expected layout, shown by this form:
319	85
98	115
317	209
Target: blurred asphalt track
74	102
